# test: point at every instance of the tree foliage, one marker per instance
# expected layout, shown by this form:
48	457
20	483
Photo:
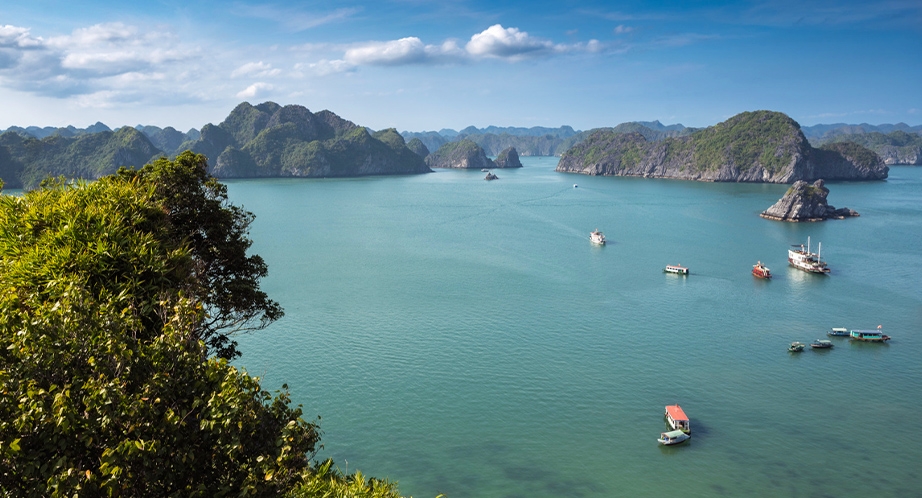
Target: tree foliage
105	389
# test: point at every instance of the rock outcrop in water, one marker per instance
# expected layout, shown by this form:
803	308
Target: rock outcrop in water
463	154
761	146
508	158
805	202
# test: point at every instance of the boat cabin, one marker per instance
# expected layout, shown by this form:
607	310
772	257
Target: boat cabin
677	269
838	331
869	335
677	419
672	437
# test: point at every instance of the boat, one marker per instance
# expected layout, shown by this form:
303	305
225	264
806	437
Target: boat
575	185
761	270
672	437
677	269
869	335
796	347
821	344
838	332
802	259
676	419
484	170
597	237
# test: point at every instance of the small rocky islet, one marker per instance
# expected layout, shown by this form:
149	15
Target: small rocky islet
806	202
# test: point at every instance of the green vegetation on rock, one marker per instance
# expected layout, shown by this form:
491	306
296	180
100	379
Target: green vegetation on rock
107	292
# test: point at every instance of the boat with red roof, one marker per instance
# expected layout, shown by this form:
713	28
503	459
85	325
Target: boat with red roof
761	271
677	419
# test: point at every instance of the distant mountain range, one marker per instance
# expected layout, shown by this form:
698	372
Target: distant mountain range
273	140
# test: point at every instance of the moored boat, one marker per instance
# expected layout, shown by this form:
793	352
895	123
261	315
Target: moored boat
802	259
838	332
796	347
677	419
761	271
821	344
597	237
869	335
677	269
672	437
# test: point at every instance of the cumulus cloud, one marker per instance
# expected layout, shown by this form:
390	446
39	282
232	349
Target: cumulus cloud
507	43
101	61
256	69
622	29
254	90
495	42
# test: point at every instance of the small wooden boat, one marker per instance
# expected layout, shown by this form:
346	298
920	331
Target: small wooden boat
673	437
796	347
821	344
677	419
838	332
677	269
761	271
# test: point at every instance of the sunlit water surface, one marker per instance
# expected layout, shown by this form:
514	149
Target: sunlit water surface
464	337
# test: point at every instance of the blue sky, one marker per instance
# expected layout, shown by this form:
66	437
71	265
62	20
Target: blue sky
424	65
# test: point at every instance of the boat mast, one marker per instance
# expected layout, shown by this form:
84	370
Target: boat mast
808	244
819	251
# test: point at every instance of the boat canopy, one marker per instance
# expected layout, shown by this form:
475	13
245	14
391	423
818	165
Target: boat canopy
673	434
676	412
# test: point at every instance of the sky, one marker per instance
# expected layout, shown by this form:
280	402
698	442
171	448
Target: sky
419	65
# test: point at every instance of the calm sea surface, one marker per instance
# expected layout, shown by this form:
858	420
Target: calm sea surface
464	337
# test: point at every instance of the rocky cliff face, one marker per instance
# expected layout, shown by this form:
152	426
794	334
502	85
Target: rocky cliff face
508	158
463	154
892	154
760	146
805	202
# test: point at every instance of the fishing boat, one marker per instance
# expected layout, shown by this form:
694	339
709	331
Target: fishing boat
802	259
597	237
796	347
821	344
676	419
838	332
677	269
869	335
672	437
761	271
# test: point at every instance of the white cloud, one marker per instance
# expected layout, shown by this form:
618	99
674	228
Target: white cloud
17	37
622	29
410	50
506	43
256	69
254	90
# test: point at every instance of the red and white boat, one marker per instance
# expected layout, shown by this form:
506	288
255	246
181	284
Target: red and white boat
677	419
761	271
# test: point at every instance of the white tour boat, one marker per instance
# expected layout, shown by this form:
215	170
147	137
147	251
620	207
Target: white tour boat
803	259
597	237
677	269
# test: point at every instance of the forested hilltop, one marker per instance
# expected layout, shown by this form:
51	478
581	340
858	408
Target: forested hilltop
896	147
760	146
253	141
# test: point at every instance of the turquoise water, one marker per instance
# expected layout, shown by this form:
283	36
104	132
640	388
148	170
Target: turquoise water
464	337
